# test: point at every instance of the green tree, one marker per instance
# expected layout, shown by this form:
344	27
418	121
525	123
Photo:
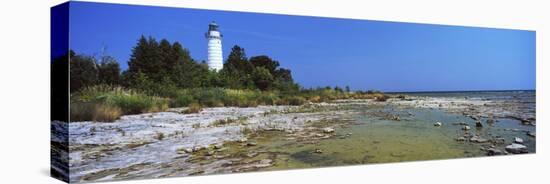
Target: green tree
146	59
237	71
83	72
262	78
163	63
266	62
108	71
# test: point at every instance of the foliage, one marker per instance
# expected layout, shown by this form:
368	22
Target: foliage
161	74
86	71
83	72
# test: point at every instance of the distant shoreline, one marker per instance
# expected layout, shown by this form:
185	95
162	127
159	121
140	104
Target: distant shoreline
460	91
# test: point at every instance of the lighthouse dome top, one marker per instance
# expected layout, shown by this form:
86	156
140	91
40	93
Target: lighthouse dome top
213	26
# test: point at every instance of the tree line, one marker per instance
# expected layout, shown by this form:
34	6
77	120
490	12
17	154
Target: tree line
159	67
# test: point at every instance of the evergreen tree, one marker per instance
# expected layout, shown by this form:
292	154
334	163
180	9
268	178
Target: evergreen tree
237	70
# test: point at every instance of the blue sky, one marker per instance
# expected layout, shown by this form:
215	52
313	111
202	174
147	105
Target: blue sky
388	56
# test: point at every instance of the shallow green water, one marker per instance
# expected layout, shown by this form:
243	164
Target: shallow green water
375	140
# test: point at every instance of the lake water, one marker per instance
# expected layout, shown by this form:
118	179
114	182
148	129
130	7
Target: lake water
370	139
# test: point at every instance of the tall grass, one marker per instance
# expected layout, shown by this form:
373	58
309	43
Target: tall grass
106	103
220	97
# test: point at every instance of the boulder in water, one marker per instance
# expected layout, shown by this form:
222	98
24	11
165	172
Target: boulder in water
437	124
516	148
518	140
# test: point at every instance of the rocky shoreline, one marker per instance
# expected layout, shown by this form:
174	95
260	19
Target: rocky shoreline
230	139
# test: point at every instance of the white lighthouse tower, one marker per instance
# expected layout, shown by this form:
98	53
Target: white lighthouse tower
214	37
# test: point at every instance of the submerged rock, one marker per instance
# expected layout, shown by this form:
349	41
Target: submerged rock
460	123
478	139
516	148
532	134
490	120
478	124
499	140
466	127
493	151
437	124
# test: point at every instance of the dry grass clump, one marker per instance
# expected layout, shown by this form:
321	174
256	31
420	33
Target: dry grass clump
193	108
159	136
106	103
94	112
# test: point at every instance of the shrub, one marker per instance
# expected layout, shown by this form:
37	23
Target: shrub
193	108
292	100
268	99
380	97
222	122
315	99
296	100
182	100
159	136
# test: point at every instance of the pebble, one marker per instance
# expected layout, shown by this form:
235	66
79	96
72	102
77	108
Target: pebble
318	151
210	153
328	130
218	146
243	140
197	148
188	150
